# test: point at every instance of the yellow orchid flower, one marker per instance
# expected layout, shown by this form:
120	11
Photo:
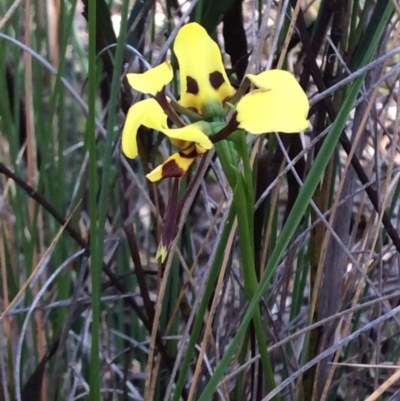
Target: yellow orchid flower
278	103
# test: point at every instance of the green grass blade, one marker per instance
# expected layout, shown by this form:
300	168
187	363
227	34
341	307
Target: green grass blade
95	252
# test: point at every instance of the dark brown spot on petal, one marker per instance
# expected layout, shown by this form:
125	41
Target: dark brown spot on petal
171	169
216	79
189	153
192	86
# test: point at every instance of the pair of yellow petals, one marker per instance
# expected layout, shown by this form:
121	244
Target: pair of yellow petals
278	103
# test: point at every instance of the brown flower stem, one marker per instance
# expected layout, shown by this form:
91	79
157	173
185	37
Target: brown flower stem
231	126
171	113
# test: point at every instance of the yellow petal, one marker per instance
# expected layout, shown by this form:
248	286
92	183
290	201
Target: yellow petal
152	81
175	166
279	105
146	112
196	132
202	74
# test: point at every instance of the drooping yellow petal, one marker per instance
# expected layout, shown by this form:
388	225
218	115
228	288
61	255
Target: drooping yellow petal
196	132
175	166
202	75
152	81
279	105
146	112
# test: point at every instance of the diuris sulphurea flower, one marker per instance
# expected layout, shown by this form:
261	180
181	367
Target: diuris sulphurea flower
277	104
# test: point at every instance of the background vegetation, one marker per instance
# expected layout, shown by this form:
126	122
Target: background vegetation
86	312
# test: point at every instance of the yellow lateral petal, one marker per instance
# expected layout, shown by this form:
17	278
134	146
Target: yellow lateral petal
263	111
280	105
196	132
152	81
175	166
146	112
202	74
